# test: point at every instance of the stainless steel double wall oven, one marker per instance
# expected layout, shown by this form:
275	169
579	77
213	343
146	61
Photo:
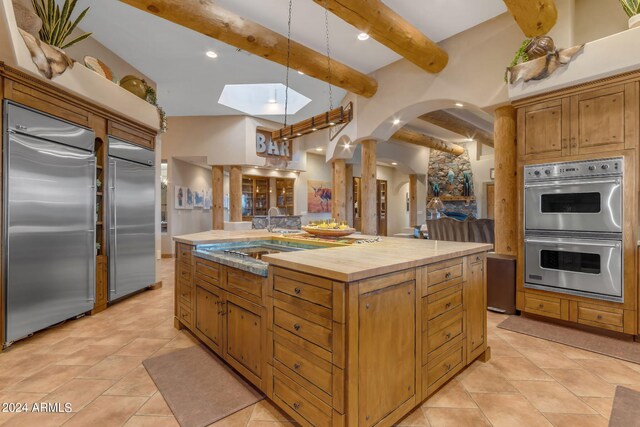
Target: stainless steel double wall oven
573	228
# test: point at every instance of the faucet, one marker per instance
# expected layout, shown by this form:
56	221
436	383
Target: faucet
269	226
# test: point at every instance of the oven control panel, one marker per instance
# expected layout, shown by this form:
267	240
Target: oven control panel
597	167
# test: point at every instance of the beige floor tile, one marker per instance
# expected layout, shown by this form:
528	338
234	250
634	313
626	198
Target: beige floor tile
452	395
484	378
78	392
602	405
450	417
611	371
89	356
144	347
258	423
107	411
113	367
267	411
39	419
156	405
17	397
26	364
575	420
521	340
575	353
6	382
549	396
500	348
582	383
518	368
119	338
182	340
239	419
135	383
509	410
48	379
415	419
548	358
68	345
151	421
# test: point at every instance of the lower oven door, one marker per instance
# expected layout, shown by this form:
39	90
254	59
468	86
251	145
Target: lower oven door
585	267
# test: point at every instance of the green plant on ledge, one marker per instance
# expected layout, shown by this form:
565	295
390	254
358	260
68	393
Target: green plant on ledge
631	7
152	98
521	56
56	24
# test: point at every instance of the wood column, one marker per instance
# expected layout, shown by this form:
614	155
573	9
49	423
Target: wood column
235	194
369	213
348	182
339	191
413	200
506	169
217	190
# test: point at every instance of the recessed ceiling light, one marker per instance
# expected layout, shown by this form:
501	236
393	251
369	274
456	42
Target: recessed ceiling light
301	73
319	149
459	104
298	134
212	54
396	122
272	101
314	129
285	138
332	124
394	163
470	139
363	36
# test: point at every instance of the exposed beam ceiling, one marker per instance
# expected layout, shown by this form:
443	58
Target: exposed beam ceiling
390	29
456	125
205	17
417	138
535	17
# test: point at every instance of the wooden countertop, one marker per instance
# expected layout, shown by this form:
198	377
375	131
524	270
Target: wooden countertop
354	262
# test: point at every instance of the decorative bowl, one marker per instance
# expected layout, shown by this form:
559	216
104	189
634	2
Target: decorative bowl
134	85
328	232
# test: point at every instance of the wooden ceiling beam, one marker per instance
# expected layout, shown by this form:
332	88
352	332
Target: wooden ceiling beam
423	140
206	17
448	121
390	29
534	17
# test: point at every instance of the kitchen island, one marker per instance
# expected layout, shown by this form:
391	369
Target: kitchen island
337	333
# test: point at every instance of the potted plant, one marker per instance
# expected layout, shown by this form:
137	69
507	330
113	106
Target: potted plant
632	9
57	25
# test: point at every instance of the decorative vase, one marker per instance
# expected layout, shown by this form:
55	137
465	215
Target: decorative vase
540	46
634	21
134	85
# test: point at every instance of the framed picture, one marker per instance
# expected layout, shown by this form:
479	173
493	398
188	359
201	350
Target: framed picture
318	196
198	198
492	173
180	197
208	197
188	198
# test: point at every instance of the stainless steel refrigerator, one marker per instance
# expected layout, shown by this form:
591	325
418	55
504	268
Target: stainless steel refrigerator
131	218
49	220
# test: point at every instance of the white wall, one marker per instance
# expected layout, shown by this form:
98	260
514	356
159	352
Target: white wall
595	19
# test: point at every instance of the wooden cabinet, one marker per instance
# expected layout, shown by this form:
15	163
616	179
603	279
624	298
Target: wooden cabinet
244	334
475	303
255	197
285	195
545	129
208	313
386	338
381	205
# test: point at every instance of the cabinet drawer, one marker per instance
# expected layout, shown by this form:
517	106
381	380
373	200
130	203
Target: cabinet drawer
442	332
184	253
308	366
185	292
303	328
184	272
298	401
476	259
185	315
207	270
546	306
242	283
442	302
305	291
604	317
440	370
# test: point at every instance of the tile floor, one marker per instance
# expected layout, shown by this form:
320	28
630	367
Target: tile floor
94	363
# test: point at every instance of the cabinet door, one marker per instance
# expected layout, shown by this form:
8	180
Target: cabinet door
387	331
600	120
475	304
244	337
545	129
208	315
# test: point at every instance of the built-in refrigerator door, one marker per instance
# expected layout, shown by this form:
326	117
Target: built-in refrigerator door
131	227
50	233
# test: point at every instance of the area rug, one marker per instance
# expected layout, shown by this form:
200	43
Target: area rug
198	387
626	408
613	347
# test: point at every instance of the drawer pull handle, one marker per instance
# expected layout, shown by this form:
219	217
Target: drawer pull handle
297	291
448	335
447	305
447	275
296	327
477	258
448	366
541	306
296	406
297	366
599	317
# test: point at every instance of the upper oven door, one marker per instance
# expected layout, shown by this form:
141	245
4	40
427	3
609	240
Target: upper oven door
593	205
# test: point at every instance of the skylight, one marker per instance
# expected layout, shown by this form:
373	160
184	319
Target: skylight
262	99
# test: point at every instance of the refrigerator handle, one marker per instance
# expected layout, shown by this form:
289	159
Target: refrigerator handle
113	224
92	232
